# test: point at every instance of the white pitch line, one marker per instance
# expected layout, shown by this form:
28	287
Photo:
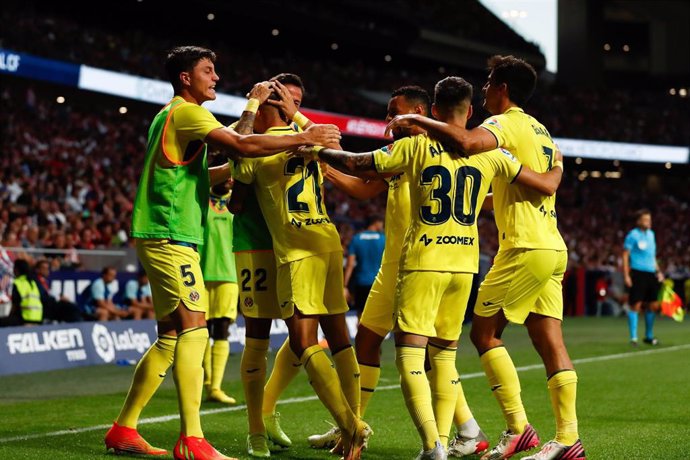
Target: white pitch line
168	418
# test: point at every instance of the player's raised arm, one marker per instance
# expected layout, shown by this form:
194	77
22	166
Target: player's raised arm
469	141
257	96
546	183
347	162
260	145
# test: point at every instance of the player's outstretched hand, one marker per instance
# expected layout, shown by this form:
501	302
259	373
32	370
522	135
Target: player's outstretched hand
261	91
559	154
401	122
322	134
286	103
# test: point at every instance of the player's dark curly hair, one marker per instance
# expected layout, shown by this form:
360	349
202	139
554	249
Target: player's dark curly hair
414	94
290	79
452	92
183	59
517	74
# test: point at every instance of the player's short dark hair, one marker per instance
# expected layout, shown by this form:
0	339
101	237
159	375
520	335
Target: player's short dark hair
642	212
414	94
371	218
517	74
289	79
183	59
107	268
452	92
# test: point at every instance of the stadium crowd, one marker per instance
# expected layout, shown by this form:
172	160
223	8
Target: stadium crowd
614	114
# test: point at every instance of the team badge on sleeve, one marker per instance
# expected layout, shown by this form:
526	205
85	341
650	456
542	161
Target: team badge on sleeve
508	154
494	122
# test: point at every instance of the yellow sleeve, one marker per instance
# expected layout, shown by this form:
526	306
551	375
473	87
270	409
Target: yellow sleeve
244	170
505	165
194	122
496	125
395	157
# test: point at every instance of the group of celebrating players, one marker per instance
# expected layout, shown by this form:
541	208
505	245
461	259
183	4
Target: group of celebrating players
289	257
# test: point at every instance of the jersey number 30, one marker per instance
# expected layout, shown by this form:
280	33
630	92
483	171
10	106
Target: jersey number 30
456	197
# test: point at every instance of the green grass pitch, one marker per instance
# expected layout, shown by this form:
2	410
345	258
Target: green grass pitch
632	403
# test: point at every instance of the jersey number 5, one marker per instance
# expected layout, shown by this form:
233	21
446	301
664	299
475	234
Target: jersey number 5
454	198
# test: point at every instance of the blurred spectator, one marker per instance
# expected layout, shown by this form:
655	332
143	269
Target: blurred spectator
138	297
6	280
54	309
98	298
27	308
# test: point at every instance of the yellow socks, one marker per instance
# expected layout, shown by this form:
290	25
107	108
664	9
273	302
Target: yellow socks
325	381
462	412
285	368
368	381
504	383
417	393
148	376
563	390
348	372
189	378
444	384
207	365
219	359
253	374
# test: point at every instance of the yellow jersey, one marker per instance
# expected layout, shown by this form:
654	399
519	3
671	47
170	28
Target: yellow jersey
446	195
525	218
397	215
288	189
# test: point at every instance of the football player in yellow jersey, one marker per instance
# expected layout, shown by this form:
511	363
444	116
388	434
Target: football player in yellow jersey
440	252
168	219
524	284
377	319
307	246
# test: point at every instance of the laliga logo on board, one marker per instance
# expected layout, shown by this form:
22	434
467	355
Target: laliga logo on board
107	343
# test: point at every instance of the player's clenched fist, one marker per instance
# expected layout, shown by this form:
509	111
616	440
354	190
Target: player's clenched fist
322	134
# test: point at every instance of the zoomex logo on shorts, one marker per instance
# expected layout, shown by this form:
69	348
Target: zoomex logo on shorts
107	342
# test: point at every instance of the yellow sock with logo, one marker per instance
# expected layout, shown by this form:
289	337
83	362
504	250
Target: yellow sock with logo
148	376
208	366
505	385
417	393
444	383
348	372
286	367
253	375
462	409
368	381
189	378
219	359
326	384
563	390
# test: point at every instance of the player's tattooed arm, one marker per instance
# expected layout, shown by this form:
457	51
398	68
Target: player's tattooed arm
261	91
348	162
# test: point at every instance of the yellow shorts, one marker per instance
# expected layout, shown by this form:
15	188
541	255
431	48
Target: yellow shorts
378	311
256	272
432	304
523	281
175	276
313	285
222	300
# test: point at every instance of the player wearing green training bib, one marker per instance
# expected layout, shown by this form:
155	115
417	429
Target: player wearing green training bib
220	278
168	220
